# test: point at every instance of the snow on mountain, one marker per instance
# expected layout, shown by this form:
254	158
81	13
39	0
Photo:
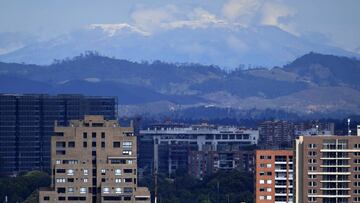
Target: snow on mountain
205	40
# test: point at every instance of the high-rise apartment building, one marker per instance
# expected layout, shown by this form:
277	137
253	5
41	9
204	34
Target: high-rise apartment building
327	169
274	176
94	160
27	123
276	134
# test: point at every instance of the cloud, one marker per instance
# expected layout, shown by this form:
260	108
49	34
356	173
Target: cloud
260	12
235	13
241	11
279	15
151	19
198	18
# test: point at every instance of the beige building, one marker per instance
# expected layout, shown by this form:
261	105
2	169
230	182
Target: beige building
94	160
327	169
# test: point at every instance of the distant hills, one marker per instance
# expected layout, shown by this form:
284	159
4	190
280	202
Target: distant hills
313	85
213	42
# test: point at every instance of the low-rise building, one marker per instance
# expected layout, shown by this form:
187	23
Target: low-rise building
172	144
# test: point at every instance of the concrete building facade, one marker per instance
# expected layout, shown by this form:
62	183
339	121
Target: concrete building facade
274	176
172	144
202	163
94	160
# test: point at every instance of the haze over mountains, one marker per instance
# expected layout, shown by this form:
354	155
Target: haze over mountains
206	40
312	85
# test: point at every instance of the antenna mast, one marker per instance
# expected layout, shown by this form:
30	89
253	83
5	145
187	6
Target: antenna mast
349	131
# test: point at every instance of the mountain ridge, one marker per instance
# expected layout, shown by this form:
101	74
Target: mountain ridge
295	87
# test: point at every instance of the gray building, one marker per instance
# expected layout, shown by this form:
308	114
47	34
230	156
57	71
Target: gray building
27	123
171	144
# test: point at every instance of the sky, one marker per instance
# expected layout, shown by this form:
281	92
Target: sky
335	22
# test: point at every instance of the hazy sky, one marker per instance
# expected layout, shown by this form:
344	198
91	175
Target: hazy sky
336	22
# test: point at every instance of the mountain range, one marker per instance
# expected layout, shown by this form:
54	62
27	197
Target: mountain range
210	42
312	85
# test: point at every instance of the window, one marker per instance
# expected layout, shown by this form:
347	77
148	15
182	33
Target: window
70	189
85	144
127	145
71	144
70	172
127	180
262	182
83	190
268	197
127	170
59	170
262	189
127	152
129	161
268	189
93	144
85	180
103	171
312	184
61	190
117	190
116	144
60	144
58	161
312	168
46	198
312	153
103	135
265	157
312	161
268	165
60	180
262	197
117	180
268	181
102	144
93	135
86	172
128	190
311	176
70	180
117	172
106	190
85	135
312	146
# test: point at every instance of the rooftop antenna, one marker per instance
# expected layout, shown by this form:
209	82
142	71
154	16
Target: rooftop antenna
349	131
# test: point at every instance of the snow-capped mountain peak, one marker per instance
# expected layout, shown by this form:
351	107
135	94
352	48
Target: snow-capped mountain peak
113	29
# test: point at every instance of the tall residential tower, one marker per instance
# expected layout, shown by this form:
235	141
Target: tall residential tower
94	160
328	169
27	123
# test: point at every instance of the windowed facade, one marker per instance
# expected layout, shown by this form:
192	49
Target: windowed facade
274	175
88	174
328	169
